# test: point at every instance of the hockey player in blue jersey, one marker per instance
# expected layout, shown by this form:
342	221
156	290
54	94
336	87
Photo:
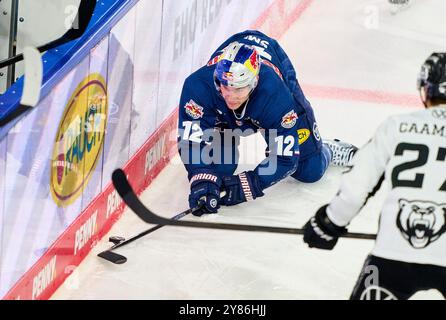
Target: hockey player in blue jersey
249	85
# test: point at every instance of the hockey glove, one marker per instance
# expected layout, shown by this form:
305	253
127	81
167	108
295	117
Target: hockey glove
241	188
320	232
204	193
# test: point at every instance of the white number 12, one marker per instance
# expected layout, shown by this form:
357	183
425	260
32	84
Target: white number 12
287	141
192	131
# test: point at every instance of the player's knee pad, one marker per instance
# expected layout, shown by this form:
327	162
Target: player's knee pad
313	169
308	177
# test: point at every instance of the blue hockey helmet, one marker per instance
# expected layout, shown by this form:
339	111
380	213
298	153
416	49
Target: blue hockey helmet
238	66
432	79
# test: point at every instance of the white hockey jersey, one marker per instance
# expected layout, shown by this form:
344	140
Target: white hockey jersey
409	153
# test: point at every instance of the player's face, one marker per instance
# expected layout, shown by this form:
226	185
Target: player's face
235	97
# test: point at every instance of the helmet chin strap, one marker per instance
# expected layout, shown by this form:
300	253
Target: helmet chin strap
245	104
423	97
242	114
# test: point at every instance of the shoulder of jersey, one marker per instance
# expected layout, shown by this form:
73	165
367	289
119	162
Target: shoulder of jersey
202	78
417	114
424	114
270	82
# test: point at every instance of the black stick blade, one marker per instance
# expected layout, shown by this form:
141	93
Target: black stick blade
113	257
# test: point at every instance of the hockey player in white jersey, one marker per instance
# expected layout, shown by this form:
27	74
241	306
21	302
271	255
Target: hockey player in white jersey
408	152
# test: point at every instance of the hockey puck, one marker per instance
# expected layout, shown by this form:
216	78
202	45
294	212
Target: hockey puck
116	239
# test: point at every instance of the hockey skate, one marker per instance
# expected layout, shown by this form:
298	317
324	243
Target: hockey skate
342	152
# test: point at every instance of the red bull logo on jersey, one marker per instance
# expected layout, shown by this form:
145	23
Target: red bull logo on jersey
194	110
289	120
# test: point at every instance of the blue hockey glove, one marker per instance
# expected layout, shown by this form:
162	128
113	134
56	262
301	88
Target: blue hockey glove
241	188
204	193
320	232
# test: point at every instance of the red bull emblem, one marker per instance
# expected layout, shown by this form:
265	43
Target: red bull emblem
289	120
194	110
228	76
254	61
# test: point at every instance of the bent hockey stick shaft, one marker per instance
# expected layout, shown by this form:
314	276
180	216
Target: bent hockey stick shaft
120	259
144	233
131	199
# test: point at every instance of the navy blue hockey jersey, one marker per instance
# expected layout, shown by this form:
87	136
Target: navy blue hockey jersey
277	103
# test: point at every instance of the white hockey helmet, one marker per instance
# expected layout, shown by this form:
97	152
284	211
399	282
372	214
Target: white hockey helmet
238	66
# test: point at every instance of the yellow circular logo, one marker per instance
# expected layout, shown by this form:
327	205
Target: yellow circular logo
303	135
79	140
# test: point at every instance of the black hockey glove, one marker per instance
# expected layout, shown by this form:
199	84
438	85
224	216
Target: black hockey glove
204	193
241	188
320	232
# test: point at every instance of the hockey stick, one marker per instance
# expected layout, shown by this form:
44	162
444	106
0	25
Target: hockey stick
120	242
131	199
85	12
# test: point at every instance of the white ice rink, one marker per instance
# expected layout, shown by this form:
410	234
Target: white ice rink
354	45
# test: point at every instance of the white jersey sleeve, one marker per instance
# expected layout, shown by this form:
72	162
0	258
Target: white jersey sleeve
408	152
369	166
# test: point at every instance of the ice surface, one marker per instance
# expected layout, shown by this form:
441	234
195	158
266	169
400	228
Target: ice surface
336	44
